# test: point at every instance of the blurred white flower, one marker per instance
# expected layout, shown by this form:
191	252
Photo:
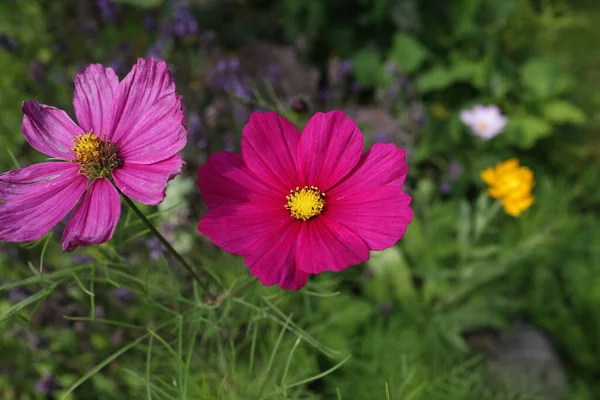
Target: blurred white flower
484	121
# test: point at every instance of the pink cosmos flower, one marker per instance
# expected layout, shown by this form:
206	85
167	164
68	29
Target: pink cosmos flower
128	133
485	122
298	204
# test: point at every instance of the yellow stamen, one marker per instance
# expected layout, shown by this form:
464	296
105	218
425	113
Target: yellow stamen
305	203
86	147
97	157
482	126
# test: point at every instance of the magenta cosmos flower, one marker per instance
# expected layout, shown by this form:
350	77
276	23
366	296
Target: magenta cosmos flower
298	204
128	133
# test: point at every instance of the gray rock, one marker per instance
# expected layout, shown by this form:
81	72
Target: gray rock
523	360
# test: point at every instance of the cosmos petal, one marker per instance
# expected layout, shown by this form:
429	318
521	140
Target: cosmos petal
96	217
147	183
49	130
330	147
269	144
37	198
93	96
323	244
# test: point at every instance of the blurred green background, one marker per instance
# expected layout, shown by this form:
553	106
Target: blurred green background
471	304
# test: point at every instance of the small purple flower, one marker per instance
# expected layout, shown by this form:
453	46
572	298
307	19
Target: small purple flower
47	384
122	294
184	22
234	64
158	49
107	9
273	73
454	170
445	187
157	249
346	67
222	65
6	42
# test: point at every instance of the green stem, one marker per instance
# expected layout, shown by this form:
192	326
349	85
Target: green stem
164	241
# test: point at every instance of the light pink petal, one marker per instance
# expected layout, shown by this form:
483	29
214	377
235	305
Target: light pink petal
269	145
330	147
467	118
383	164
147	183
378	215
237	228
225	180
325	245
95	218
34	199
94	90
49	130
273	262
148	123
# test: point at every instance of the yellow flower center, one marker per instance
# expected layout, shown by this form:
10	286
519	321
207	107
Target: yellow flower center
97	157
86	147
482	126
305	203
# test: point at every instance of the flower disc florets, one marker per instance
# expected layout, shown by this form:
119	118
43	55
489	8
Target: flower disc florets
96	157
305	203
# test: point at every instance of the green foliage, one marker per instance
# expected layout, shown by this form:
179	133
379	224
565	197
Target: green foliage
123	319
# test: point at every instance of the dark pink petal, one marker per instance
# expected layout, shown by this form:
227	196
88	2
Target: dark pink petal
147	183
237	228
269	145
325	245
272	260
225	180
34	199
95	218
330	147
379	215
49	130
94	90
147	114
383	164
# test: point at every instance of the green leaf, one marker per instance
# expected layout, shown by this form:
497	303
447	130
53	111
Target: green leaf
563	112
543	78
437	78
408	53
390	265
526	130
367	67
141	3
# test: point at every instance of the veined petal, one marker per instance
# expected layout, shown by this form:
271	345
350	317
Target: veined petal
94	91
273	261
95	218
159	133
378	215
226	180
237	228
269	145
330	147
383	164
36	198
147	116
147	183
49	130
322	244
